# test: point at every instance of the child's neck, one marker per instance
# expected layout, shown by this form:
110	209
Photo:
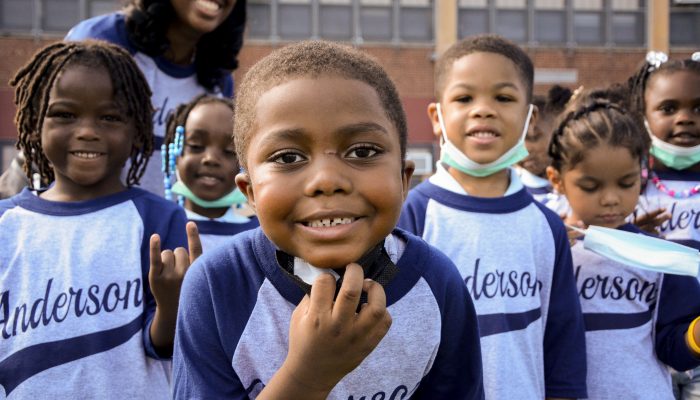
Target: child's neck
488	186
659	166
211	213
64	192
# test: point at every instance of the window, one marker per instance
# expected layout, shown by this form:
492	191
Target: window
416	20
685	27
628	28
294	20
376	22
588	28
60	15
512	24
550	26
336	21
18	14
258	19
472	21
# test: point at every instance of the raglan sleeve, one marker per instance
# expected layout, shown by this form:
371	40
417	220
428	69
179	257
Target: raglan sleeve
457	371
412	217
679	304
565	335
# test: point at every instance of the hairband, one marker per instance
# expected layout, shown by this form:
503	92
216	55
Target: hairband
655	59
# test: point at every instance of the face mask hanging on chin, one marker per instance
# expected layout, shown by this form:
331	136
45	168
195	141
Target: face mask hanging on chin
455	158
670	155
641	251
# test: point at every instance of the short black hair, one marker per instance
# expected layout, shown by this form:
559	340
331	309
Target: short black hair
313	59
486	44
33	83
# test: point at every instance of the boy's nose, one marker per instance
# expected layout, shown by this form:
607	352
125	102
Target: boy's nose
481	110
86	131
326	177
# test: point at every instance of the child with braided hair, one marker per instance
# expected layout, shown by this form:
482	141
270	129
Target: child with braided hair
666	95
199	148
637	320
88	300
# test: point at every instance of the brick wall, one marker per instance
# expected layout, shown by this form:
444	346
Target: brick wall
410	67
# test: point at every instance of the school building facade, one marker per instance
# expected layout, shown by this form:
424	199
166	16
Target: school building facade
572	42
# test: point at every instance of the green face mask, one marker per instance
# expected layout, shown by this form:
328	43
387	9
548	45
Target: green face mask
673	156
234	198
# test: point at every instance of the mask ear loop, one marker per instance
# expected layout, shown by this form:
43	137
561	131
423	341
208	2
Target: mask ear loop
443	136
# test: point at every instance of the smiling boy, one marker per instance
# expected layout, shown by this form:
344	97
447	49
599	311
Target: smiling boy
321	135
512	251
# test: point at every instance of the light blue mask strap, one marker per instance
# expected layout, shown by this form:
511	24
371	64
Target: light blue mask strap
233	198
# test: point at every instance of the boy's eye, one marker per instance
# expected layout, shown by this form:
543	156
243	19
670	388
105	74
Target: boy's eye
364	151
504	99
287	158
464	99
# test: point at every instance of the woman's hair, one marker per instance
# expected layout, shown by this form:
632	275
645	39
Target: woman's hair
637	83
179	118
590	123
34	81
147	23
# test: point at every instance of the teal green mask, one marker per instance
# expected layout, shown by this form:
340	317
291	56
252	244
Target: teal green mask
673	156
234	198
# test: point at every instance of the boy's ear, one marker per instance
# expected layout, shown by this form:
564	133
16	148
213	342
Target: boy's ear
408	168
433	115
245	186
555	179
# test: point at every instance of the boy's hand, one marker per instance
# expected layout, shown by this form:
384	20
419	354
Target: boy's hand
165	277
651	221
328	339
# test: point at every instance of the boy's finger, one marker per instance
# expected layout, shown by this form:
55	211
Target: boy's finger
374	311
182	260
155	259
168	259
322	292
193	241
349	294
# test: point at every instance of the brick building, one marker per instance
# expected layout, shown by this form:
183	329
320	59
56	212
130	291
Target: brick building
572	42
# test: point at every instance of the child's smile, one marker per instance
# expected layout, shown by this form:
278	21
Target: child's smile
86	135
326	175
673	107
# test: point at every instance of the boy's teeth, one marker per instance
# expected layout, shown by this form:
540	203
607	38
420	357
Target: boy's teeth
327	222
483	134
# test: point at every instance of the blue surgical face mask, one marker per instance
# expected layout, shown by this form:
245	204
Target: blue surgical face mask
233	198
455	158
641	251
672	156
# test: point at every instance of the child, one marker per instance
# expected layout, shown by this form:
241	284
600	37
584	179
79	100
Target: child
636	319
199	134
83	315
667	96
321	136
512	252
532	169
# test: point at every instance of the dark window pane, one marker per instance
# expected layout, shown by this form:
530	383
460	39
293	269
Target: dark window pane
336	21
17	14
61	15
258	20
295	21
550	26
99	7
588	28
376	23
472	22
512	24
628	29
685	28
416	24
